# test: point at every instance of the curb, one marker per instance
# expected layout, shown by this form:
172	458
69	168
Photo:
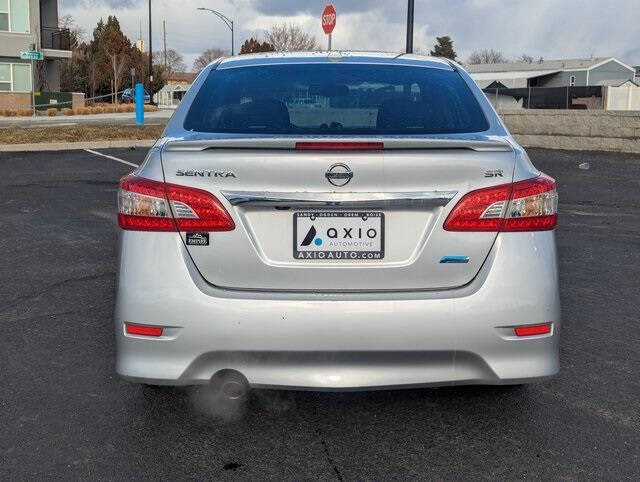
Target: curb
67	146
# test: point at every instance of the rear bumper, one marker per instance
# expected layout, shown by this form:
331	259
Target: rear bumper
338	341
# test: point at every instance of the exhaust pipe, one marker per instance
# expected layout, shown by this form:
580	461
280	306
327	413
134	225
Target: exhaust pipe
231	385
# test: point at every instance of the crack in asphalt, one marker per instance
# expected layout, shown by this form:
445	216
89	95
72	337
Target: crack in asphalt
22	299
325	449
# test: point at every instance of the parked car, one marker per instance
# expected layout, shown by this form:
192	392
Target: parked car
394	236
129	96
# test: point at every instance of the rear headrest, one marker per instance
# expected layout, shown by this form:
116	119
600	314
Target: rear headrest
258	114
401	114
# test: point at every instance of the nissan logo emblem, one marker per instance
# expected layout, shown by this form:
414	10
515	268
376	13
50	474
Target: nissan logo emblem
339	174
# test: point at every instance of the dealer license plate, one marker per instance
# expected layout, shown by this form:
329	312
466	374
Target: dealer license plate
335	235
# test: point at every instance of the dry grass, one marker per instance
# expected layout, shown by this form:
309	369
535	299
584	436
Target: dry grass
98	108
19	135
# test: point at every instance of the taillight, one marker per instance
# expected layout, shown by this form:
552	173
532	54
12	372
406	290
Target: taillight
530	205
533	206
146	205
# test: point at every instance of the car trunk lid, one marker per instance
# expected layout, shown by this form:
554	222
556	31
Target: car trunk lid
280	195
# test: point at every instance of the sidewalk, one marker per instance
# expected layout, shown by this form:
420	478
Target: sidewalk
125	118
70	146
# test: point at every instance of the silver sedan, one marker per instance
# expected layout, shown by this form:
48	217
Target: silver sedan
336	221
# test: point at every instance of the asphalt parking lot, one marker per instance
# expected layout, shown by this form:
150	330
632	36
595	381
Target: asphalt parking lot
65	414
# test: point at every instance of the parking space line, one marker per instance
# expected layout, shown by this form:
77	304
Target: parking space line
112	158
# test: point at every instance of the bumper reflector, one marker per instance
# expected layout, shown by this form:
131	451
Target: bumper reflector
143	330
531	330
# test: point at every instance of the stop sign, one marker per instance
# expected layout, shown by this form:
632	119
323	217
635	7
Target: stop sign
328	19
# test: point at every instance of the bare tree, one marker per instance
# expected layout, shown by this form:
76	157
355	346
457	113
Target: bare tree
175	61
77	32
287	37
527	59
117	62
93	75
206	57
487	56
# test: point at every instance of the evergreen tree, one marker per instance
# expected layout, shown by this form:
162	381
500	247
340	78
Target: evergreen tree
252	45
444	48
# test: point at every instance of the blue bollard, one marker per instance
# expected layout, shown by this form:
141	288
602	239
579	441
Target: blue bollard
139	104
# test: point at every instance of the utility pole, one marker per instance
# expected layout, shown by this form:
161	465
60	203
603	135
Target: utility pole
150	51
164	37
410	27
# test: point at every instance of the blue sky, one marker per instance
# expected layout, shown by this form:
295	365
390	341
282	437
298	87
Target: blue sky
547	28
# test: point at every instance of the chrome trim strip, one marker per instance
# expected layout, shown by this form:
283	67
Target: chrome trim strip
339	199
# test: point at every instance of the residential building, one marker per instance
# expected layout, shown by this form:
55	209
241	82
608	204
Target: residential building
601	71
177	85
27	24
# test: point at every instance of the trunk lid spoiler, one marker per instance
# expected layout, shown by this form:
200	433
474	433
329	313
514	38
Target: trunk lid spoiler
289	143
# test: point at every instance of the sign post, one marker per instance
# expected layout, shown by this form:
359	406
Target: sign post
33	90
329	21
32	55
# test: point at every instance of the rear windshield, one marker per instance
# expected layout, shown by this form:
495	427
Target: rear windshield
328	99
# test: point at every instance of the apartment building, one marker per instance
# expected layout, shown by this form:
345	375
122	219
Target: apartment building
25	24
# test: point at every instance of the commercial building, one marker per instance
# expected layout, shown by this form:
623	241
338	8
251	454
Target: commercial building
601	71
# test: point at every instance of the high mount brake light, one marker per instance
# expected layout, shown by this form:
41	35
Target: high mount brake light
529	205
339	146
146	205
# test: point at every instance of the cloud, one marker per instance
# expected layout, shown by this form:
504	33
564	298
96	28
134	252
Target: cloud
548	28
71	4
292	7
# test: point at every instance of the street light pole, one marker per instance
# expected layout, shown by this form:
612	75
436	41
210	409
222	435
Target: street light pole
227	21
410	27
